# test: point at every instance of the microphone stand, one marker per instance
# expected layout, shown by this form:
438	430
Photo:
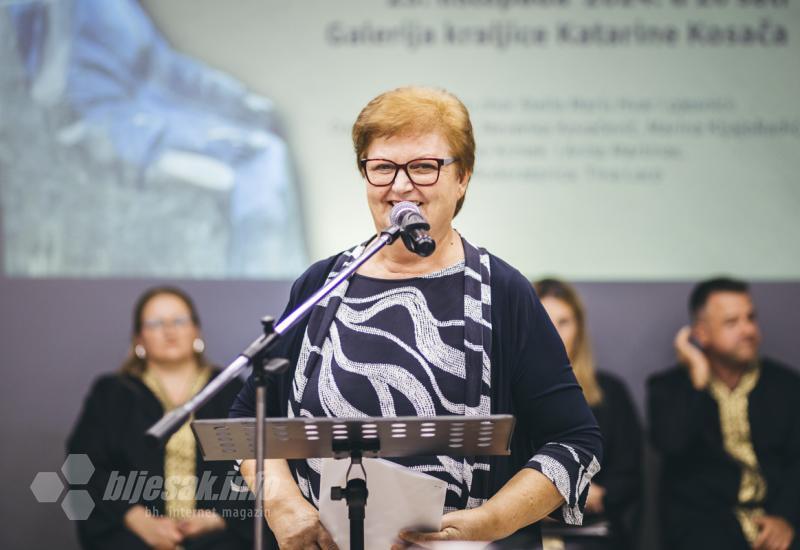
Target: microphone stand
255	354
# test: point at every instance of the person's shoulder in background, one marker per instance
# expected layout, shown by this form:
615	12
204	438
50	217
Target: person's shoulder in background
779	371
782	381
675	377
113	387
612	385
617	409
119	390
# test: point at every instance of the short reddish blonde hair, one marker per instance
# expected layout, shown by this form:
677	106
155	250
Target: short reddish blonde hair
416	110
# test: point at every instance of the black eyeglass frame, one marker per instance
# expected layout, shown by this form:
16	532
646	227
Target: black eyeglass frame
440	162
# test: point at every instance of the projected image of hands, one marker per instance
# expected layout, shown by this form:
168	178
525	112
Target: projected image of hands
123	157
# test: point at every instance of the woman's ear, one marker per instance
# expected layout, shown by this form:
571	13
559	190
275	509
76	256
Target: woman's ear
463	183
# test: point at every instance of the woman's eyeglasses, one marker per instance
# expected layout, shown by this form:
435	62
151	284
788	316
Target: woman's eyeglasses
159	324
424	171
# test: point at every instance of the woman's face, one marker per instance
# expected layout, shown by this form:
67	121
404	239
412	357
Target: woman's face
168	332
437	202
563	318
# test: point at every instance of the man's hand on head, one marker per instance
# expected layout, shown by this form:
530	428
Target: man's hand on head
693	358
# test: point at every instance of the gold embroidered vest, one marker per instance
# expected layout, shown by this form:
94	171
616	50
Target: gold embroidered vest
738	443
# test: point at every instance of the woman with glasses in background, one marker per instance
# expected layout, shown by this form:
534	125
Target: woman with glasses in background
147	497
613	502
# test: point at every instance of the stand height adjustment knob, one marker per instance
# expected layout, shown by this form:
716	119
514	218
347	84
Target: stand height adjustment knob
268	324
355	494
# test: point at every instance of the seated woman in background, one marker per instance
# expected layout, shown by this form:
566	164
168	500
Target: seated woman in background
158	508
615	493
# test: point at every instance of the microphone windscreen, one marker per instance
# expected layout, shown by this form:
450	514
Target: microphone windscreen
401	210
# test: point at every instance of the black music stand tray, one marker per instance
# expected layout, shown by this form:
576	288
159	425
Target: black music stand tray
356	438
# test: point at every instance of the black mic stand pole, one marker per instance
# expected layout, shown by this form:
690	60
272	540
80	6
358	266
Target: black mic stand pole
255	355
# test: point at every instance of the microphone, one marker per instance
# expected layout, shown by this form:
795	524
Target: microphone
414	228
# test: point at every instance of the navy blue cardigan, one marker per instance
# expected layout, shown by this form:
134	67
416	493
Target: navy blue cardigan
531	375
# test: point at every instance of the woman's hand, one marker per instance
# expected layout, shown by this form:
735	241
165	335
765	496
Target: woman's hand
157	532
693	357
202	522
473	524
296	525
294	522
526	498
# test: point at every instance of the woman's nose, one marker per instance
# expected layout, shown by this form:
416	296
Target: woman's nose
402	182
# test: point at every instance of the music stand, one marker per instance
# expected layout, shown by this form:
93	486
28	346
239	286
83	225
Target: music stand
356	438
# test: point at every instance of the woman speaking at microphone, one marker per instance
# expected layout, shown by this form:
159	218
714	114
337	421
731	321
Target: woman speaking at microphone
459	332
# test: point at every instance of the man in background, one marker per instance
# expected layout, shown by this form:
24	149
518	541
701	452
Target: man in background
727	425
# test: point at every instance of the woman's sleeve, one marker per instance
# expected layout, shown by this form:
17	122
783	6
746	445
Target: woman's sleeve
550	405
93	435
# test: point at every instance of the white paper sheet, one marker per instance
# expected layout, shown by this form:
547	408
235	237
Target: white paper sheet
398	499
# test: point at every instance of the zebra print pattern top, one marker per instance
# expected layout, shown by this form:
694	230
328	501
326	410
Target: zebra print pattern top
396	348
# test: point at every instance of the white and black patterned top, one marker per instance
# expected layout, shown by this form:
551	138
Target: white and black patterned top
396	349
